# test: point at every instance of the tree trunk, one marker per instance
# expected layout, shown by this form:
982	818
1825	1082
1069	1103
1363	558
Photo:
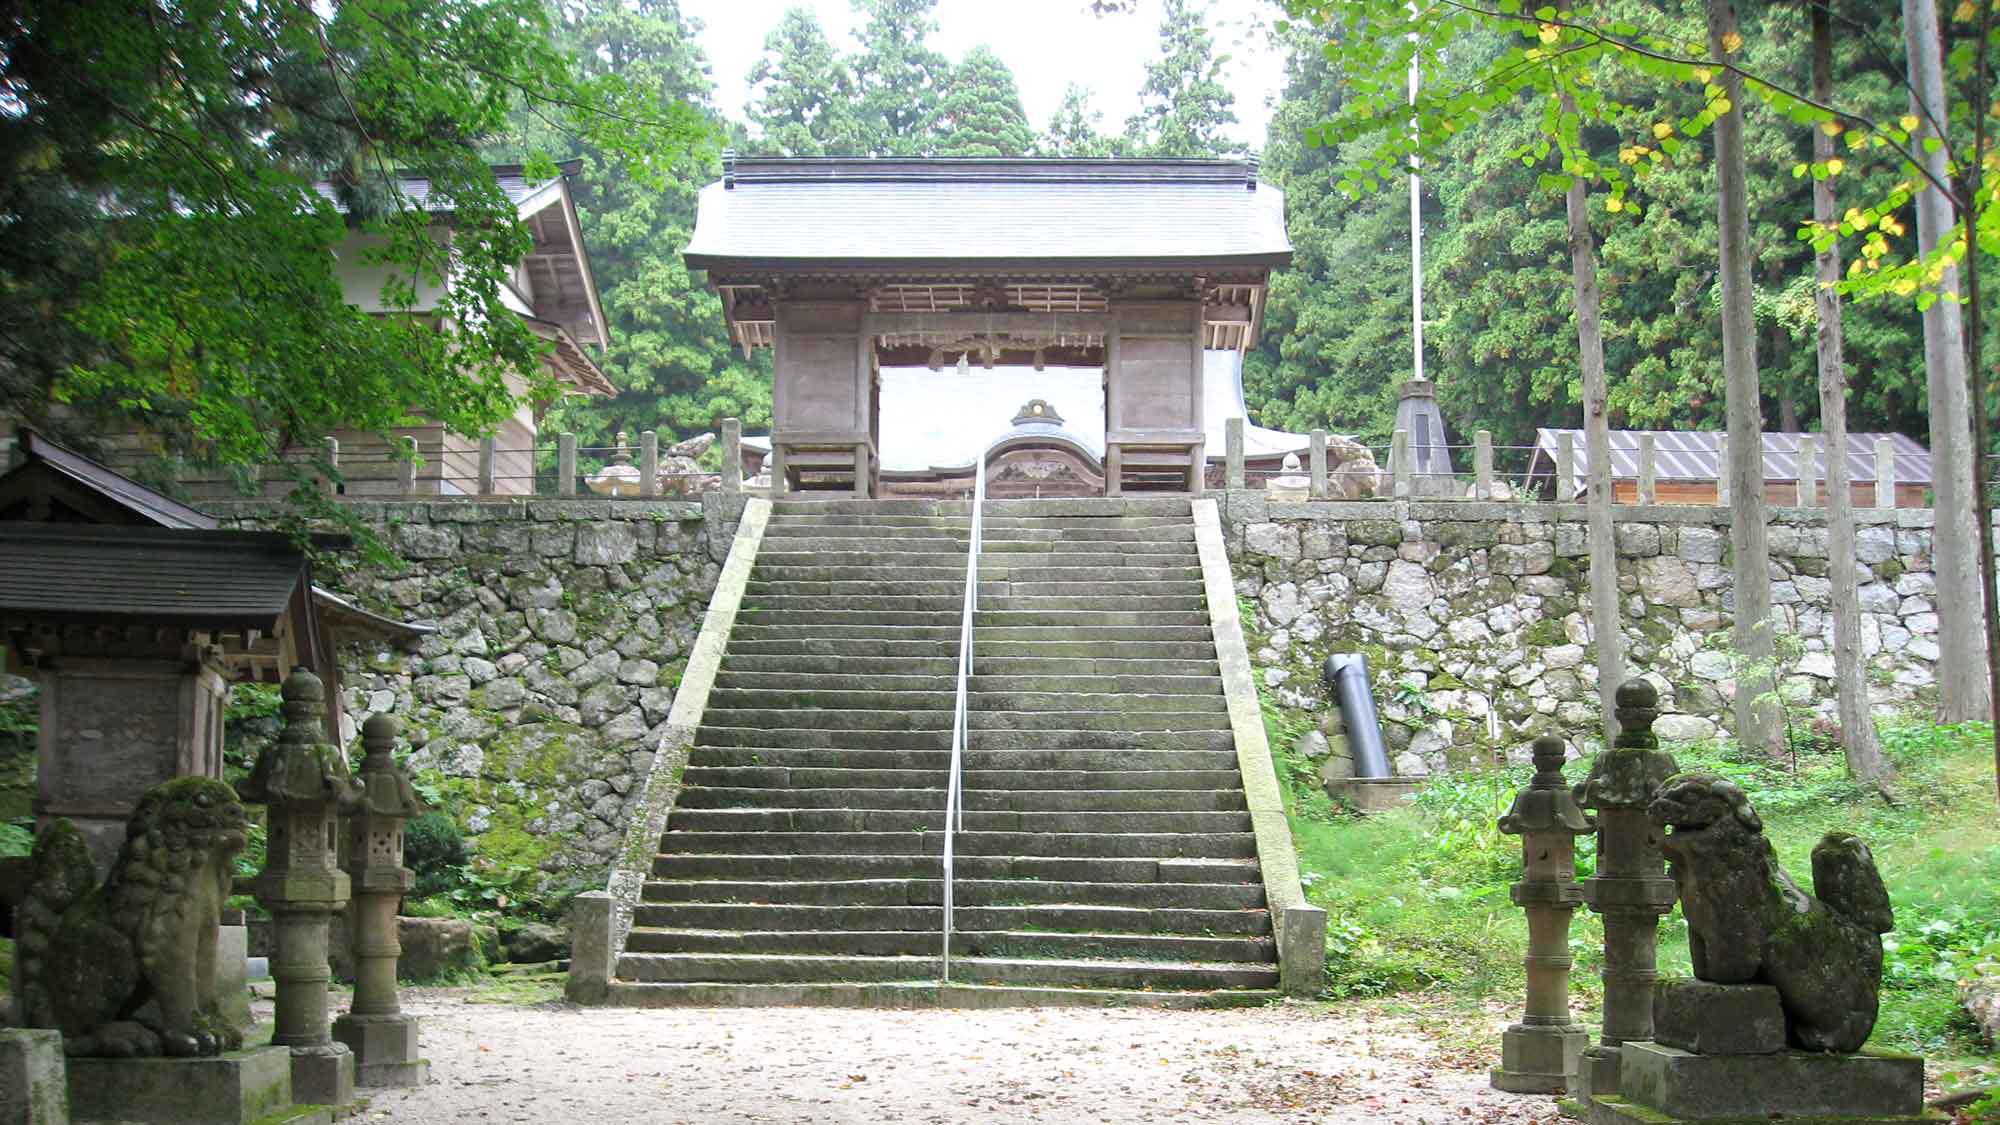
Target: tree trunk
1605	618
1857	722
1962	666
1756	701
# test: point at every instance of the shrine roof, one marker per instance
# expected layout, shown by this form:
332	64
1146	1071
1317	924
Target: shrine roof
1132	213
90	573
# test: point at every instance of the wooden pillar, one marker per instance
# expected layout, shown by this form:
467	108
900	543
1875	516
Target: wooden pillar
1565	467
566	464
1482	464
488	456
1399	464
1318	452
1232	446
1885	473
649	463
732	455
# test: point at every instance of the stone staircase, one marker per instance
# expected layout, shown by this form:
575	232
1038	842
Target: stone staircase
1106	854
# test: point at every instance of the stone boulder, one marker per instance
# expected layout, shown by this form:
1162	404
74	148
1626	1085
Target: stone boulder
435	949
533	943
1351	471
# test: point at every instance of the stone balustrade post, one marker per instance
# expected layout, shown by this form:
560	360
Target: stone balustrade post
329	481
1482	464
1631	888
1565	468
1538	1054
649	463
406	465
1317	454
489	455
1401	468
1807	471
1722	470
732	455
1885	473
1232	445
304	782
566	464
381	1035
1649	471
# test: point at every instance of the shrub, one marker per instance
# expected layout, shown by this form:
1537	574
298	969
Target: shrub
433	848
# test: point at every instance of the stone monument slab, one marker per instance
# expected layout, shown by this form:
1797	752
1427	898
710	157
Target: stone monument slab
1718	1019
1803	1084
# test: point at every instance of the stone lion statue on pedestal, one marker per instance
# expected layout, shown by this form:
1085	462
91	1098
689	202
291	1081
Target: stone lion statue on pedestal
1748	922
126	969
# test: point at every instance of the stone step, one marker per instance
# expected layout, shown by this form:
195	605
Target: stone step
1091	647
1144	845
985	765
894	537
1155	552
959	520
1095	634
907	865
899	609
770	668
1054	609
979	943
1122	586
975	780
985	665
1085	686
1032	568
721	734
758	632
876	701
1075	918
925	994
925	550
816	620
985	800
1174	713
759	591
1060	531
944	570
765	968
836	676
798	552
967	892
1068	507
767	641
912	820
791	505
1002	618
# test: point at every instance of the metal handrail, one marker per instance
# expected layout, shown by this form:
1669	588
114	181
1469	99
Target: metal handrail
954	803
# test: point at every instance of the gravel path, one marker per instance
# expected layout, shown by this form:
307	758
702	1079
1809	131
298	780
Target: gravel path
553	1063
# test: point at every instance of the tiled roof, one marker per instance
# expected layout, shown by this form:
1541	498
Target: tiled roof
417	189
147	575
773	210
1693	454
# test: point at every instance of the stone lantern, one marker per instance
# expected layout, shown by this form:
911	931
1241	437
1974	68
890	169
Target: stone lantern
304	782
382	1037
1631	888
1538	1054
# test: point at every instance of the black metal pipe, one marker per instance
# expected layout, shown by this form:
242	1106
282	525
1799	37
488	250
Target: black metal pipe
1347	674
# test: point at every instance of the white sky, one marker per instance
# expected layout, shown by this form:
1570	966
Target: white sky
1047	43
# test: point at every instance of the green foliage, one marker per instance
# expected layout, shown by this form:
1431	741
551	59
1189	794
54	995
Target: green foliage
170	263
434	848
900	78
803	94
1076	128
17	838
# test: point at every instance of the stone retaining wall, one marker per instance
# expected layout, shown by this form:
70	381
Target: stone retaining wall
563	626
1474	615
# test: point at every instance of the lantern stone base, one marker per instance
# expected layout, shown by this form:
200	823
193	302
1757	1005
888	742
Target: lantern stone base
324	1076
1662	1084
237	1088
385	1049
1539	1058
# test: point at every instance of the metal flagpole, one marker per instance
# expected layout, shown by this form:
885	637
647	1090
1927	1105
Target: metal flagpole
1416	225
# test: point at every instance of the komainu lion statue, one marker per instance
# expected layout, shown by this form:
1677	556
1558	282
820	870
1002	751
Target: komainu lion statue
1748	922
127	969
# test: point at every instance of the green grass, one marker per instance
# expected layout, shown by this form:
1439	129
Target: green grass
1417	898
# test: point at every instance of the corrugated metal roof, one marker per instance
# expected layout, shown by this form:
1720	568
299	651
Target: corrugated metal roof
943	420
147	575
1692	455
993	210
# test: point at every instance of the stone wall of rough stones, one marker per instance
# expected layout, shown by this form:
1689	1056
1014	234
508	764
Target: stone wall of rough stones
1474	615
563	626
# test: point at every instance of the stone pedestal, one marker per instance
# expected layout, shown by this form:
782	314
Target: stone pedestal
1631	888
323	1075
386	1049
1668	1084
232	1089
1373	794
1718	1019
33	1089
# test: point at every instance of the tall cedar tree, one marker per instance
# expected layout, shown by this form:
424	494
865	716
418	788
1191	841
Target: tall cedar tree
802	93
1076	128
900	78
1184	105
980	114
